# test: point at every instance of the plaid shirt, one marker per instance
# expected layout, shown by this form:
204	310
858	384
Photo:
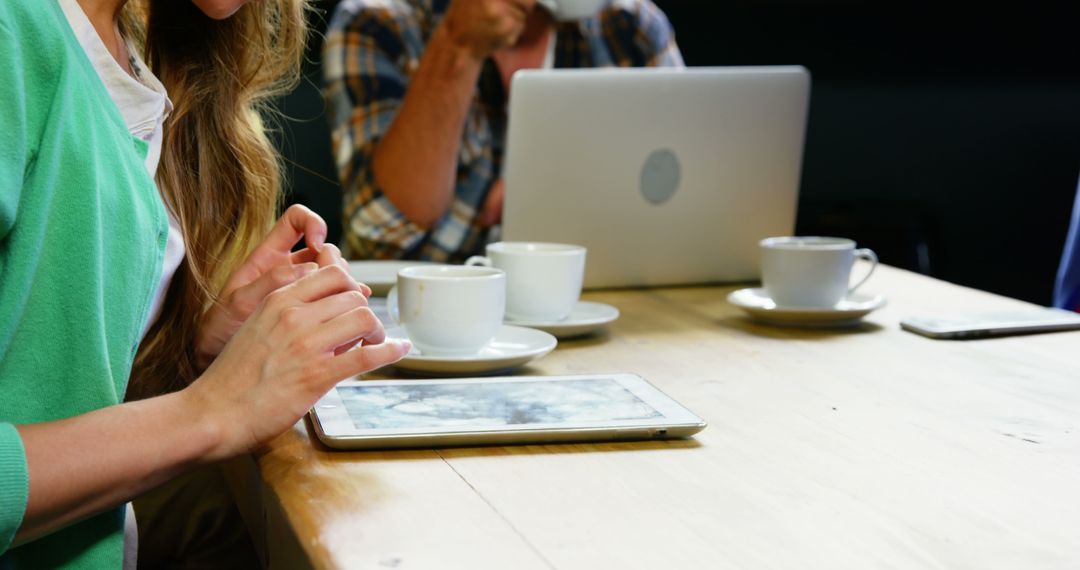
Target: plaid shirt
372	49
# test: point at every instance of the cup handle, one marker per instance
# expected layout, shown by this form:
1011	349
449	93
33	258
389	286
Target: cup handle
478	260
866	255
392	306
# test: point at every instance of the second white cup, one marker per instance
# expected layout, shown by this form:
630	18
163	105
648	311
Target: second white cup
543	280
449	310
810	271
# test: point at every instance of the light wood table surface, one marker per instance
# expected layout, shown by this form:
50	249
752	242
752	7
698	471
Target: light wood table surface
860	448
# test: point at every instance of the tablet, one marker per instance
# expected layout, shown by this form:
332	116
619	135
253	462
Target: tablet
984	325
498	410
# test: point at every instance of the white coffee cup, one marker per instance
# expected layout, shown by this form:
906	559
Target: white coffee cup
449	310
543	280
810	271
569	10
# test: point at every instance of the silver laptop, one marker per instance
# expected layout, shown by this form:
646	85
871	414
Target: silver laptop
667	176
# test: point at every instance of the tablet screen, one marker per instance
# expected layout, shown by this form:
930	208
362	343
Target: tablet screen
489	404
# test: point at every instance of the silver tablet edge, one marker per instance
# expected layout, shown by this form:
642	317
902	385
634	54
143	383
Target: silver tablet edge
508	437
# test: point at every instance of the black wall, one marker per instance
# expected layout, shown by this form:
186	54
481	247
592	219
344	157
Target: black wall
945	137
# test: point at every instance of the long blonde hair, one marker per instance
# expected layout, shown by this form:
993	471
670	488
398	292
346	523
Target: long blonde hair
219	173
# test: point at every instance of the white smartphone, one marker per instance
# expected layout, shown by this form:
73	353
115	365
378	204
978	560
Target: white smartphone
984	325
498	410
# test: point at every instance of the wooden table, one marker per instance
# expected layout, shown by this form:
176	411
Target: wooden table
859	448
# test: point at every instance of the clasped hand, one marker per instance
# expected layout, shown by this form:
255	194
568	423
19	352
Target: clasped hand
283	334
271	266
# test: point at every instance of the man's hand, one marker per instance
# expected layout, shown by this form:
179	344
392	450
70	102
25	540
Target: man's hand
482	26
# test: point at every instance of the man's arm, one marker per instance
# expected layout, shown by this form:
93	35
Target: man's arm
412	143
415	164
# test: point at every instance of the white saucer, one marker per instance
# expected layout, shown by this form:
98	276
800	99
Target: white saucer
512	347
848	312
586	317
380	274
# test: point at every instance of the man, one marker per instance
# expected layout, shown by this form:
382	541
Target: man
417	93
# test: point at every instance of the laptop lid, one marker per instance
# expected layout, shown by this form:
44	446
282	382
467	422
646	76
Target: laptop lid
667	176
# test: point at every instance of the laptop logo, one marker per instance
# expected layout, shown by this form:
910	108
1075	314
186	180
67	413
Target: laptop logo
660	176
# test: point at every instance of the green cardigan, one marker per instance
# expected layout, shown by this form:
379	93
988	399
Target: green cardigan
82	237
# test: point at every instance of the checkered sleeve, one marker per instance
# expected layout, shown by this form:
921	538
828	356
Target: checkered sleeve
638	34
657	36
365	59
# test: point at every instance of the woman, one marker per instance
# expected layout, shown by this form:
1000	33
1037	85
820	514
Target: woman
185	288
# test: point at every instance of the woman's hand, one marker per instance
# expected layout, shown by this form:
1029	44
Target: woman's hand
270	267
287	355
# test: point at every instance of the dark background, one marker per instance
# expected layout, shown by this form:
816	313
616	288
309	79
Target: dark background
944	136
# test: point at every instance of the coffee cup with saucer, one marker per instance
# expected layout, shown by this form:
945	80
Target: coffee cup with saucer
805	283
543	287
453	317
